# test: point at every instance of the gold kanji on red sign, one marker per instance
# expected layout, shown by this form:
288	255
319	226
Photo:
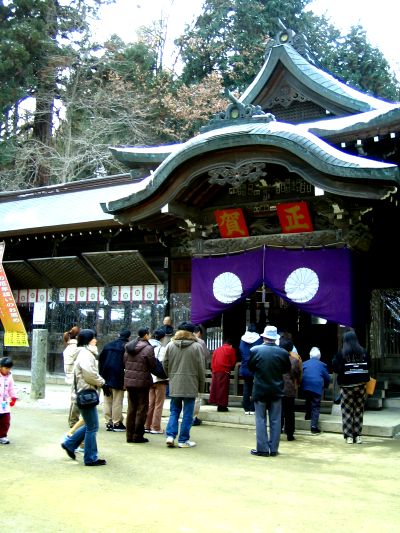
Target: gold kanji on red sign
231	223
294	217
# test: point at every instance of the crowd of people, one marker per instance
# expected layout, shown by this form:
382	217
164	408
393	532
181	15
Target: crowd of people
169	362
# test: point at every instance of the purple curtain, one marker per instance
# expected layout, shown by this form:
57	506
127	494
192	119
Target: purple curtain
219	283
316	281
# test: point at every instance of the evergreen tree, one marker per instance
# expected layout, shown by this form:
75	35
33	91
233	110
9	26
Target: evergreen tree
229	37
38	40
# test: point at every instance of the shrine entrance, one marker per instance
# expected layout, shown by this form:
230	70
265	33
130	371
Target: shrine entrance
264	307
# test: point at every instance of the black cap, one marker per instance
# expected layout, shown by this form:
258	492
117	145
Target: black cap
186	326
124	334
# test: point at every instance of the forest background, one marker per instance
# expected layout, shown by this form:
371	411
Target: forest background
86	96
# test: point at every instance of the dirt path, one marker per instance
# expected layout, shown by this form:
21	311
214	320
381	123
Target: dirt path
316	484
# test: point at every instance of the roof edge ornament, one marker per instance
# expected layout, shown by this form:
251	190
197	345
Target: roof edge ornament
235	113
288	36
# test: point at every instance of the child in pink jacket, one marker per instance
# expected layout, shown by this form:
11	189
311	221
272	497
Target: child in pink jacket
7	397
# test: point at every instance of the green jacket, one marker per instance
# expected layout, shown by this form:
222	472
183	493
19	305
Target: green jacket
184	365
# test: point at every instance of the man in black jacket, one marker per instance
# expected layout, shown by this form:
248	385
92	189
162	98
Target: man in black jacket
111	368
268	362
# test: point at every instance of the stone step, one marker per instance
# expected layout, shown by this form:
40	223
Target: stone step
391	402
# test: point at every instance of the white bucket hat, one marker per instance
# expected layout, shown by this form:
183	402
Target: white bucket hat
270	332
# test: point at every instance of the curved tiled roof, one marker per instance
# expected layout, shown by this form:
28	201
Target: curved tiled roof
146	155
301	143
317	80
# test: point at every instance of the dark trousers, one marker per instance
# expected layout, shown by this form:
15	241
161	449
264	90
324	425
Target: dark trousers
4	424
313	407
138	404
247	402
288	415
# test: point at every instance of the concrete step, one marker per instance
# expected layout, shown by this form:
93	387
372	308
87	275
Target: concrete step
382	423
391	402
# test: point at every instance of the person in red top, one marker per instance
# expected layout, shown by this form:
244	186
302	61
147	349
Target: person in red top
222	362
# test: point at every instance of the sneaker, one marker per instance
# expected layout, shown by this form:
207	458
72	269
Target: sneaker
154	432
119	427
252	413
109	427
187	444
247	413
197	422
146	430
349	440
259	454
358	440
315	431
4	440
170	442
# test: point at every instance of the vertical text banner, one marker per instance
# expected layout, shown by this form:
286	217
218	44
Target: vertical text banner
14	329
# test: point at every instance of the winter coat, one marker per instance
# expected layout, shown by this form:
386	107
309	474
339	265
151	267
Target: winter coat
315	376
7	391
292	379
268	362
111	363
351	373
169	333
223	359
86	369
206	351
159	352
140	361
247	341
184	365
69	355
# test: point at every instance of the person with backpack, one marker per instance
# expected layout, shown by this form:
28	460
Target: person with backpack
351	365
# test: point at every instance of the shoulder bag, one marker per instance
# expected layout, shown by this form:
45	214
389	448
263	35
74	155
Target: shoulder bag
86	398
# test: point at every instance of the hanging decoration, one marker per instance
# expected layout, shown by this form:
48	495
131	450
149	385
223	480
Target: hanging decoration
294	217
231	223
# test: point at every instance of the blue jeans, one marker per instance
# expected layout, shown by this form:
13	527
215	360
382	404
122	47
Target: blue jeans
274	408
86	433
187	418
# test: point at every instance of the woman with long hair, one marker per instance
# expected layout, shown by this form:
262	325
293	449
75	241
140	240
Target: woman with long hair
351	365
69	356
86	376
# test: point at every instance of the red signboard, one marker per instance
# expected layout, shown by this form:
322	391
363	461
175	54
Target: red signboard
231	223
294	217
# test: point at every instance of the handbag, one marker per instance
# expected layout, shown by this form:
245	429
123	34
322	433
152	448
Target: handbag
370	386
86	398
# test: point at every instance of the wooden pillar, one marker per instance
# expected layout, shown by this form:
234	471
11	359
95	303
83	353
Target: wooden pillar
38	363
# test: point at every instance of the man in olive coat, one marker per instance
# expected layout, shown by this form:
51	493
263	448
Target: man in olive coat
185	366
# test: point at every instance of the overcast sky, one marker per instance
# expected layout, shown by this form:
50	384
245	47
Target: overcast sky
378	17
